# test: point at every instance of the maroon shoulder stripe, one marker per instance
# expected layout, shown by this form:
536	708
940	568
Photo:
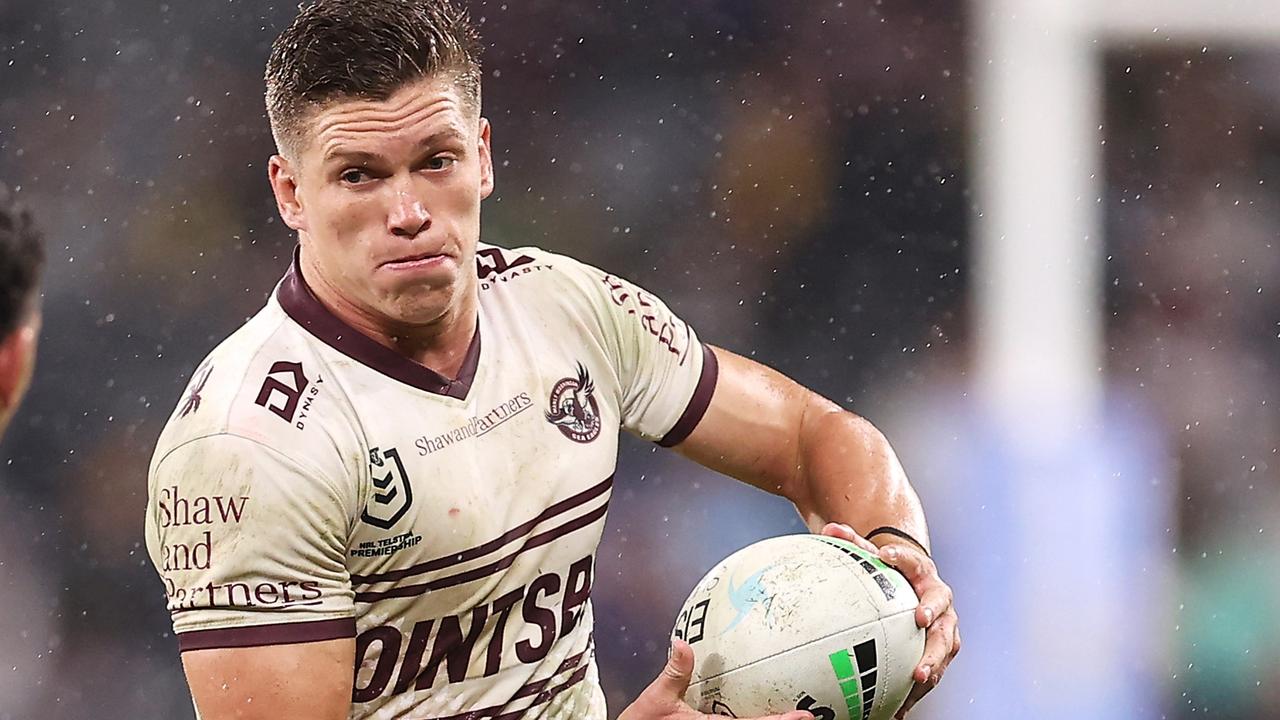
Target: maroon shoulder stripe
698	404
505	538
577	663
275	634
485	570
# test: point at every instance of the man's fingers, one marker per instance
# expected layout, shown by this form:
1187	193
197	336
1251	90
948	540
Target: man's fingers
673	681
935	595
935	612
667	690
934	602
937	648
844	532
908	560
917	691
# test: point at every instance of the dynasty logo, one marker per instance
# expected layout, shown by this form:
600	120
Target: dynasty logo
573	409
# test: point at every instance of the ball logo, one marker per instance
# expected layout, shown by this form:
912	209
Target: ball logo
720	708
856	674
747	596
392	494
806	702
573	409
873	565
820	712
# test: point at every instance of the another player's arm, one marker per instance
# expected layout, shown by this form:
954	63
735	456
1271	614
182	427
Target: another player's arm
301	681
840	472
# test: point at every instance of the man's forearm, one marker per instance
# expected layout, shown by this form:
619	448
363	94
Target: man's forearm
848	473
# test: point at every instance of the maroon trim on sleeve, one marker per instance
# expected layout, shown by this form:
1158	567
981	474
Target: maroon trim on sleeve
257	635
698	404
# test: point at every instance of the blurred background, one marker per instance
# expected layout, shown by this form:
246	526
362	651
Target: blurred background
1034	242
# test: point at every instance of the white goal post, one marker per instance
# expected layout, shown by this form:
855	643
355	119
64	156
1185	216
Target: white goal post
1039	360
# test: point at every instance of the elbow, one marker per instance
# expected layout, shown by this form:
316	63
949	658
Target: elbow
845	461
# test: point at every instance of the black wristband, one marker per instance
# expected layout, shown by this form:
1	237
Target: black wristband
887	530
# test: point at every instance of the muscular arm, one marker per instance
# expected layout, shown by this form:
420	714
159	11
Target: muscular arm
765	429
307	681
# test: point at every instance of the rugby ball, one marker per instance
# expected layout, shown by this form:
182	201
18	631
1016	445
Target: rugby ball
802	622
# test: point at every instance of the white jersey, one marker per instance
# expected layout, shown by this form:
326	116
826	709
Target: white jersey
314	484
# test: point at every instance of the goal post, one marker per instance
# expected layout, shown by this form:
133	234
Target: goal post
1085	544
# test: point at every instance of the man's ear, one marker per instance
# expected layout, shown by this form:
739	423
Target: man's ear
17	353
485	149
284	183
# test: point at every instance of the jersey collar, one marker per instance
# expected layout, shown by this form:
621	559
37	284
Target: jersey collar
304	308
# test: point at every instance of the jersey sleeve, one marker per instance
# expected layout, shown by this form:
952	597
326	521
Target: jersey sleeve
667	375
250	545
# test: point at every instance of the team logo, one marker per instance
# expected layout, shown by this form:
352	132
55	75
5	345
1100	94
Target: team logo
192	403
392	494
573	409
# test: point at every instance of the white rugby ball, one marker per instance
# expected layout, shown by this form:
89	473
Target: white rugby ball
802	622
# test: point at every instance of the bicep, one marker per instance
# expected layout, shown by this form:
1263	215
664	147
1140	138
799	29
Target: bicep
304	681
751	429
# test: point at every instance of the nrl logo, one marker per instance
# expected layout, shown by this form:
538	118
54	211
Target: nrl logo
392	494
573	409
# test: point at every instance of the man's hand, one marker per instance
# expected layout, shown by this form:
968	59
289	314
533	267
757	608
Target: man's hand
664	698
935	611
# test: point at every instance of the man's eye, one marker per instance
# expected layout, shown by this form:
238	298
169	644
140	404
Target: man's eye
441	162
354	176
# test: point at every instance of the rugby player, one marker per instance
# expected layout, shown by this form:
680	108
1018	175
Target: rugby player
21	259
381	497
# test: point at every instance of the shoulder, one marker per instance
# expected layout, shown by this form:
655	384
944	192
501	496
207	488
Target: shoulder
499	267
260	384
544	279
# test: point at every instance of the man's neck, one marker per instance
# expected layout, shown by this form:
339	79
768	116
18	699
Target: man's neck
440	346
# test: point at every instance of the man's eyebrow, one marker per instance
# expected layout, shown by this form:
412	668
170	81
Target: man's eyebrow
355	157
362	157
439	136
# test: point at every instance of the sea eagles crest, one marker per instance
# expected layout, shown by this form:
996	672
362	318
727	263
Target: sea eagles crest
573	409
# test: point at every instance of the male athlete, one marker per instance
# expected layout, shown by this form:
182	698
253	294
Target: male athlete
402	464
21	258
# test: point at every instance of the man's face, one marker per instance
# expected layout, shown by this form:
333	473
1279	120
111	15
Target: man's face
386	198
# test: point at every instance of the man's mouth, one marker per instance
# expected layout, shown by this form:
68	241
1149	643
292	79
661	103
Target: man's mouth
415	260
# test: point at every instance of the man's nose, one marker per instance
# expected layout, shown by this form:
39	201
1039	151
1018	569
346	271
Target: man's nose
408	216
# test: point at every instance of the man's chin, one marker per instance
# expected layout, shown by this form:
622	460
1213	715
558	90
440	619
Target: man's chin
420	308
422	302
